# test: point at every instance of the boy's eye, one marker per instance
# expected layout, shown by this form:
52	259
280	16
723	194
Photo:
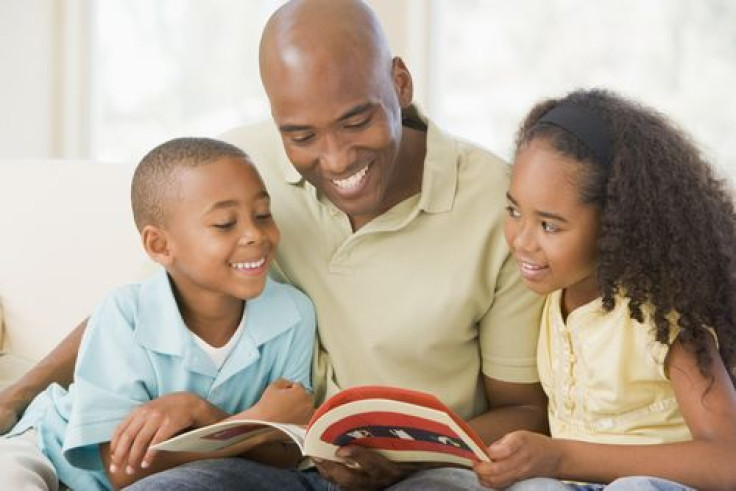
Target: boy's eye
225	225
263	216
513	212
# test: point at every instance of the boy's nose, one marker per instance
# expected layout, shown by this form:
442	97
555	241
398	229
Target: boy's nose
251	235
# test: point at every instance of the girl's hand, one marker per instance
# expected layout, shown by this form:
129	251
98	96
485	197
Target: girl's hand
155	422
283	401
519	455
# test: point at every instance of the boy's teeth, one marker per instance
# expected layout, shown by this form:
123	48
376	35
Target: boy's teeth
249	264
351	181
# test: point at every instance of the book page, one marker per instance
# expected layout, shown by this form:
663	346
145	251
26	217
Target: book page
226	433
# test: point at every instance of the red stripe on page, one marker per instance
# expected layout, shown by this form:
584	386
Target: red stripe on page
382	418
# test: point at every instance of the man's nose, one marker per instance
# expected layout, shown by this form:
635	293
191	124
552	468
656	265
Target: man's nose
335	157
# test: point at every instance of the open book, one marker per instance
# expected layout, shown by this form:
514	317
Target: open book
403	425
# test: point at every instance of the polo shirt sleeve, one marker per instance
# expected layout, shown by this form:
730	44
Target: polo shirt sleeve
299	361
113	376
509	331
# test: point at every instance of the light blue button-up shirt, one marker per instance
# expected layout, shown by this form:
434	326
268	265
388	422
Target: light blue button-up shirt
136	348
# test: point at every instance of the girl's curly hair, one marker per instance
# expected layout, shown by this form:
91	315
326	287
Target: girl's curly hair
668	226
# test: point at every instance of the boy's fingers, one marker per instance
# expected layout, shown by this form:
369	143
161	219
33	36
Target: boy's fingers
160	436
119	430
140	445
119	454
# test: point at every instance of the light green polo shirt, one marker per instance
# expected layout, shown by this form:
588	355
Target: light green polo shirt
426	295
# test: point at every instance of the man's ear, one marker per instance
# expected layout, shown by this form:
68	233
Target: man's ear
156	244
402	82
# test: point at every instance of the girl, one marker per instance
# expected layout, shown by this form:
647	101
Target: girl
616	217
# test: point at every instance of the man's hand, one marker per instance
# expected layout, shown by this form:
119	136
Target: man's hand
155	422
10	409
516	456
364	469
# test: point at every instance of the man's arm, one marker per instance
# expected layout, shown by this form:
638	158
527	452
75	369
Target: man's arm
512	406
57	366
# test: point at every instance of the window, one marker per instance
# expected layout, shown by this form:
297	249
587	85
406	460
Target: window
171	68
493	59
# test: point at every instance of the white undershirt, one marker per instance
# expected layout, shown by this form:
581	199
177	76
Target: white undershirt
219	355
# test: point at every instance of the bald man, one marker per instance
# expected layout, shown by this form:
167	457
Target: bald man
395	230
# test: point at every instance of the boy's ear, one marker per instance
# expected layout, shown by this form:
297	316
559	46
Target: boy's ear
156	244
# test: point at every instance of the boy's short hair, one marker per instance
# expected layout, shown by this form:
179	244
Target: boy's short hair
154	178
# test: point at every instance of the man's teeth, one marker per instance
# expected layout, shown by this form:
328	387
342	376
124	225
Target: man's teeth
249	264
352	181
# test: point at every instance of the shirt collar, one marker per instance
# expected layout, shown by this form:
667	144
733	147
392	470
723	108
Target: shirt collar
440	174
160	327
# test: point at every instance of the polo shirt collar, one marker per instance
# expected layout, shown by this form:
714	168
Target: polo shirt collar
160	327
440	174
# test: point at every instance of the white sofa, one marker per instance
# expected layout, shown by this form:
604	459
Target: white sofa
66	238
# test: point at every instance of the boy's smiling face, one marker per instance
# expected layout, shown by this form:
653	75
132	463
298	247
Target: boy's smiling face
220	235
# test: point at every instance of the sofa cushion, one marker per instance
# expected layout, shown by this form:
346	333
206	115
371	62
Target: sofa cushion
66	238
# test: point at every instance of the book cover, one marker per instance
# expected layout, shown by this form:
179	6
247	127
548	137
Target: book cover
401	424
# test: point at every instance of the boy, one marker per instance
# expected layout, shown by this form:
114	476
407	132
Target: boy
198	341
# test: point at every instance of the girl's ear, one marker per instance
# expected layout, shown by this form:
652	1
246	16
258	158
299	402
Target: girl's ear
156	244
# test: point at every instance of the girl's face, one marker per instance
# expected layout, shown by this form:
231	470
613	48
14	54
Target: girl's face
551	234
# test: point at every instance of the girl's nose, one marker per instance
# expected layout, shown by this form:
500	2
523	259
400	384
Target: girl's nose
524	239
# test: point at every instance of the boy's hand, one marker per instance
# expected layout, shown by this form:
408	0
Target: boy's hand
155	422
285	402
519	455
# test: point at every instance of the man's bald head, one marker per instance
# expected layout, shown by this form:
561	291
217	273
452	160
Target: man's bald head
316	35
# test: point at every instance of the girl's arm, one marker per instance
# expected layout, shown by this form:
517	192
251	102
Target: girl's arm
705	462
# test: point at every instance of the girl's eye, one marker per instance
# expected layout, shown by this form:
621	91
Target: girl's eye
513	212
549	227
225	225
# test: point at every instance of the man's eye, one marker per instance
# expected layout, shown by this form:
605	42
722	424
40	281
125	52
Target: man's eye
301	138
225	225
358	124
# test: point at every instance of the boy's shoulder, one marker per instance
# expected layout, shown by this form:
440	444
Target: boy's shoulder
127	302
276	291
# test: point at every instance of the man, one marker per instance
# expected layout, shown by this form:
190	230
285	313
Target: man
395	231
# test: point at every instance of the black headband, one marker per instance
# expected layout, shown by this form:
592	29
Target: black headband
585	125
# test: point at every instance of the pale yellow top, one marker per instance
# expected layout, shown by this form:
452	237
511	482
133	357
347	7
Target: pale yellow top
605	378
425	296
